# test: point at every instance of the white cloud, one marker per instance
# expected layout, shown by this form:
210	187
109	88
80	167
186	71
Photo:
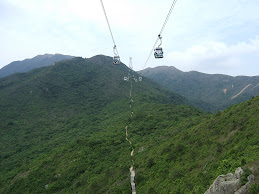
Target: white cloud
77	27
211	56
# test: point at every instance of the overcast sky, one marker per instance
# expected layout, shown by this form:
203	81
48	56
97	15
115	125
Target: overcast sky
210	36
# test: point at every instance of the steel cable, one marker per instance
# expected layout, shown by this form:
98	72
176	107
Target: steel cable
161	31
115	48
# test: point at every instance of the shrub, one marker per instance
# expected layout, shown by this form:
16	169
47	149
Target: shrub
244	176
254	189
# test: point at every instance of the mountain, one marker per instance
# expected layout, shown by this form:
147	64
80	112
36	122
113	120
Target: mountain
63	130
48	108
29	64
208	92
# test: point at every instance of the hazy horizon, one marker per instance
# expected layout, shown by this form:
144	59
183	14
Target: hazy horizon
136	70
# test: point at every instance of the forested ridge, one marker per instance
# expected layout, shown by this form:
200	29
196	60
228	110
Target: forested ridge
209	92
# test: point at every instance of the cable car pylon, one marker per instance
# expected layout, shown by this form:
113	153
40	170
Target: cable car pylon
131	74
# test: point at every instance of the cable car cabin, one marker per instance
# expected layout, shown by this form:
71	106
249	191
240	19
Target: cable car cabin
116	60
158	52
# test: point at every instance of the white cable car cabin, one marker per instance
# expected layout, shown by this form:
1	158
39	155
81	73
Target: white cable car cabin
116	60
158	52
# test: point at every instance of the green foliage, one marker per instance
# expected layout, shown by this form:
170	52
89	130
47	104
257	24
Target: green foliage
244	176
254	189
205	91
68	134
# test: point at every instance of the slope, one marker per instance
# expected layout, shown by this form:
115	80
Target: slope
178	150
29	64
63	131
208	92
186	157
49	109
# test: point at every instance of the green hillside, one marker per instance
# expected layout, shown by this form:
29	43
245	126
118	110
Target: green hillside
62	130
187	156
209	92
50	107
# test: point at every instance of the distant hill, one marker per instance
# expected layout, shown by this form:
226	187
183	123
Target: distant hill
29	64
210	92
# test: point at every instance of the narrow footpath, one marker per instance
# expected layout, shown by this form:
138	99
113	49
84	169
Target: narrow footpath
132	171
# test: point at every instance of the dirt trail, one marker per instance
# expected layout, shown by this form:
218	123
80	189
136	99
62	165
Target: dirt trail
132	171
132	153
256	86
241	91
132	177
127	134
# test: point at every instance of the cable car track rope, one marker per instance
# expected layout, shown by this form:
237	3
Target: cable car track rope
161	31
168	15
109	26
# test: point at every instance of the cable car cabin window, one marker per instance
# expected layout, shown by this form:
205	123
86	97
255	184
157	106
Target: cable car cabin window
116	60
158	53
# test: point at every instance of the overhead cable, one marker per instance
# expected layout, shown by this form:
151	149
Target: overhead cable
168	15
115	48
161	31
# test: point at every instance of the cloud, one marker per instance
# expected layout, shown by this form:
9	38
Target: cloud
198	33
214	56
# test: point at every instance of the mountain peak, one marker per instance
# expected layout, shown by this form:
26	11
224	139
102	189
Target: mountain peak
163	68
101	59
168	70
29	64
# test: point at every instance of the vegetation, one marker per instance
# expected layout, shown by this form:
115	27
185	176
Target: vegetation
62	130
207	92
